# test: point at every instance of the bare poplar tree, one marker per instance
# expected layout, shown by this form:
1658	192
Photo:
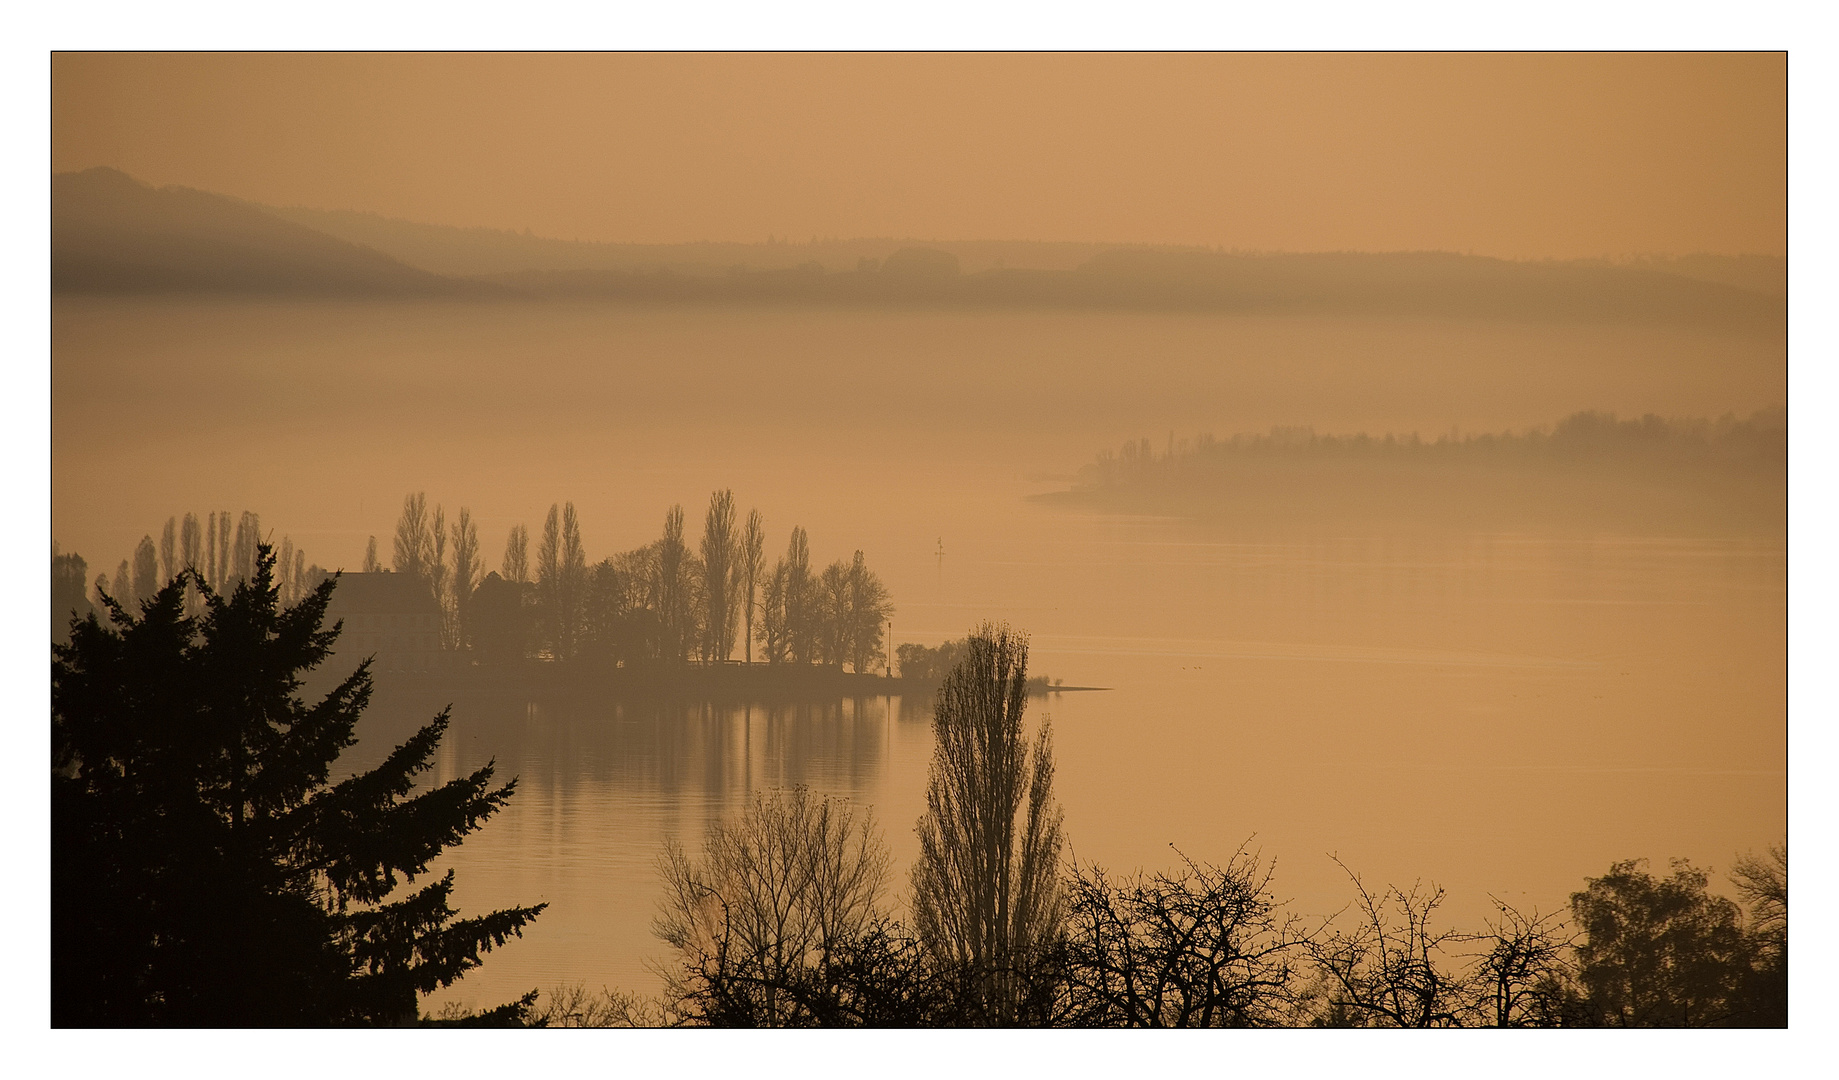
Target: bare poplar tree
248	535
572	583
549	580
169	567
371	565
719	551
673	599
210	552
124	583
191	554
801	607
146	570
414	546
467	571
516	565
222	581
437	574
748	567
986	890
301	584
284	571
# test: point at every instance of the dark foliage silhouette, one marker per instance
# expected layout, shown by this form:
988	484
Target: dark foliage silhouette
1659	952
205	871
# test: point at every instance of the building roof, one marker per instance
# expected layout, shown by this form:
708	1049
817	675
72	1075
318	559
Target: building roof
382	593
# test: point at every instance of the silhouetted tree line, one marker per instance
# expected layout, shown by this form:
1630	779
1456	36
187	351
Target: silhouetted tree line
205	869
1759	441
782	922
918	661
669	602
220	555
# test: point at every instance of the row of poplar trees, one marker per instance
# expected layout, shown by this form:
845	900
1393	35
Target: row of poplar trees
667	601
219	548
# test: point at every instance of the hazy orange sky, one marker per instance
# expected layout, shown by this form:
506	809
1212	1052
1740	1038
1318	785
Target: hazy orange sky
1514	155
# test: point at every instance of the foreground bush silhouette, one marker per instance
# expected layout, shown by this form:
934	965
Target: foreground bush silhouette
205	872
1201	946
1662	952
781	900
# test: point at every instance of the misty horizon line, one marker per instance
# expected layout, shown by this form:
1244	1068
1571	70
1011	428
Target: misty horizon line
776	240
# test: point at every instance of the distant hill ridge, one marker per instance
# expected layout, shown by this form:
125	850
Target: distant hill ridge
111	233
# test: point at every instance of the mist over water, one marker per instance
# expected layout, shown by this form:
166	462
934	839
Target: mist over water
1502	712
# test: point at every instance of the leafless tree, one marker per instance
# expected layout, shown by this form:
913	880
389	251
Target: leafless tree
833	622
248	535
720	556
371	565
440	585
1206	946
467	570
224	573
1762	883
169	565
578	1007
800	600
748	567
1391	967
516	566
986	890
571	587
549	578
868	612
284	571
210	554
777	892
1524	977
675	589
191	554
414	543
146	570
775	641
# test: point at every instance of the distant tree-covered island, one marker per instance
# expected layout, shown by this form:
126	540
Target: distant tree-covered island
1591	469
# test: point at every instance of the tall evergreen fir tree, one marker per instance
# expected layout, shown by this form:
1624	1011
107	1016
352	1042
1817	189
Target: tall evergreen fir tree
205	872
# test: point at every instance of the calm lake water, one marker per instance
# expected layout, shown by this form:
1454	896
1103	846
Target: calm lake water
1499	713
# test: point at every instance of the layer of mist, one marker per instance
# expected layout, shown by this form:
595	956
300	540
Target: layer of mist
112	234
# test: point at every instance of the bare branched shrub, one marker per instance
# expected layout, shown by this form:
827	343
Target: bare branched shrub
779	892
1204	946
1525	978
1389	967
